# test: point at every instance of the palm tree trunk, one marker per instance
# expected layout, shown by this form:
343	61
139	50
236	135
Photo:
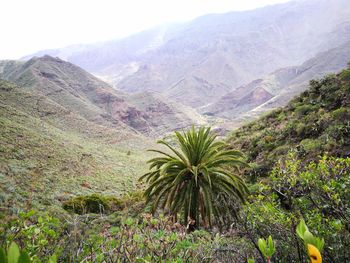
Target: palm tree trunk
193	220
203	211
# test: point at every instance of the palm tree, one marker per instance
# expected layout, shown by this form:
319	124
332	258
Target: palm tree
190	179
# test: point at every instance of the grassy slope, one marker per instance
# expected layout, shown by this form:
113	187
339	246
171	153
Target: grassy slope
48	153
313	123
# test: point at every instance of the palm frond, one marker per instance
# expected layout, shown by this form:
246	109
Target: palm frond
195	175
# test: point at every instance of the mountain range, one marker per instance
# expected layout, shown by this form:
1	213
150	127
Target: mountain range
73	119
231	64
81	93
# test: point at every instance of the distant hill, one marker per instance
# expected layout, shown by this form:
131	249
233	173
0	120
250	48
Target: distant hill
276	89
316	122
198	62
83	94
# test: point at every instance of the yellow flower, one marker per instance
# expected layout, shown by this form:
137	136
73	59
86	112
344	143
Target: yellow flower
314	254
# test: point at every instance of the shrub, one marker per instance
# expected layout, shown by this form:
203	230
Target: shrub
281	150
341	114
88	204
300	130
304	109
340	132
311	145
345	75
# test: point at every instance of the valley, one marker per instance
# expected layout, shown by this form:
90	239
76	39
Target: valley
221	139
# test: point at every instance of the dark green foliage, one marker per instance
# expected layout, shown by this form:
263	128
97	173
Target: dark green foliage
194	176
94	203
132	202
317	192
302	110
341	114
315	122
3	257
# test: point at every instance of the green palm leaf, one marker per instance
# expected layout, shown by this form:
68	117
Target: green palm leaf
191	180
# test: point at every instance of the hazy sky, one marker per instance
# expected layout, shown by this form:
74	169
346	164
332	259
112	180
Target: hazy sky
27	26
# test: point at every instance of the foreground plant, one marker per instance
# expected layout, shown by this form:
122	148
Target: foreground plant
314	245
267	248
15	255
308	238
189	180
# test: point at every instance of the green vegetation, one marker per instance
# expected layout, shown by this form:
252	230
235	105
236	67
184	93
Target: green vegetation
313	245
308	238
317	193
316	122
14	255
92	204
46	159
267	248
298	188
192	180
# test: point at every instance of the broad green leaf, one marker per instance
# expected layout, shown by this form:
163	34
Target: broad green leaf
3	258
301	228
319	243
24	258
262	246
13	253
309	238
271	247
52	259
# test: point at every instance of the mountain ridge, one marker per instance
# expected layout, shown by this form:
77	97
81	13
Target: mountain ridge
281	85
93	99
196	62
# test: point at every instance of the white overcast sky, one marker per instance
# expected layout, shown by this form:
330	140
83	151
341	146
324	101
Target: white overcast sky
27	26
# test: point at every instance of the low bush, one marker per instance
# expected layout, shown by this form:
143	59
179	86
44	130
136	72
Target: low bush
94	203
341	114
311	145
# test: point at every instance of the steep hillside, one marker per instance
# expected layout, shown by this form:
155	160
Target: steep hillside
162	114
197	62
313	123
277	88
48	153
80	92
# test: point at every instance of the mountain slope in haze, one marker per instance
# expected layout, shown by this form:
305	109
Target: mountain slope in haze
80	92
199	61
48	153
313	123
218	53
115	59
276	89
